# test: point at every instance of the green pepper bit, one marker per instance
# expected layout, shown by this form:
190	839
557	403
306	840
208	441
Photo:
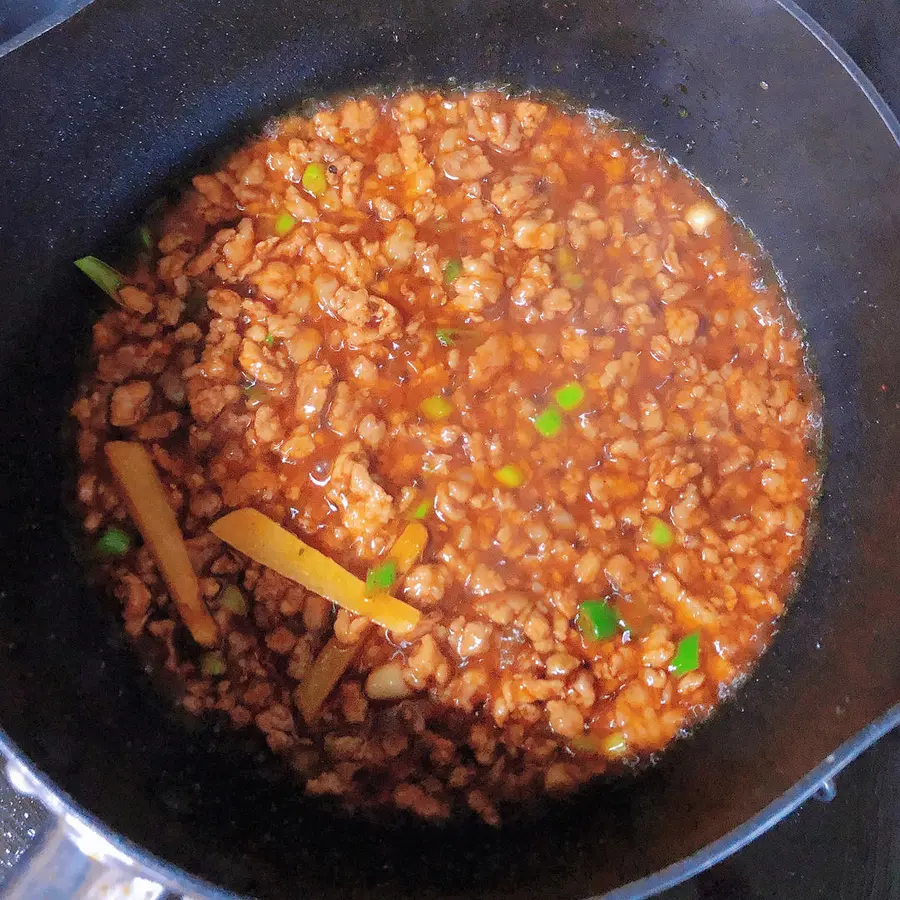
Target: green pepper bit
423	509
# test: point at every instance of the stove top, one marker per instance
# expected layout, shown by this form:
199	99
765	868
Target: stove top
845	849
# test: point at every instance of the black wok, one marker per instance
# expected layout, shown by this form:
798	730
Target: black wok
115	106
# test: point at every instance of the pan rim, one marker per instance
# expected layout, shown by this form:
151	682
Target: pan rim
768	817
63	14
175	878
860	79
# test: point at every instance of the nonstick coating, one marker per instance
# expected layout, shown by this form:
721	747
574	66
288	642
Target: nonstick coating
102	114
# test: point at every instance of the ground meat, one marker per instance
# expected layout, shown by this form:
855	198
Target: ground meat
478	287
488	360
130	403
366	507
519	328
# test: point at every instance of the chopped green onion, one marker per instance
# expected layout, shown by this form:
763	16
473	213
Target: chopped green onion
212	663
114	542
549	422
446	336
597	620
660	534
269	340
381	578
232	599
423	509
105	277
687	655
450	337
145	237
510	476
255	394
614	744
585	743
452	270
436	408
284	223
565	258
570	396
314	180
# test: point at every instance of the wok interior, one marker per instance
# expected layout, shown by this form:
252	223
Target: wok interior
116	128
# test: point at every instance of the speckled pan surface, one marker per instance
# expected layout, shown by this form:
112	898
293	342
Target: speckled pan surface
130	97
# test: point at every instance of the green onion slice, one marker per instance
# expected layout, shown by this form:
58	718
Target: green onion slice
114	542
105	277
446	336
255	394
452	270
314	180
687	655
510	476
284	223
585	743
381	578
212	663
233	600
570	396
565	258
450	337
549	422
436	408
661	535
597	620
614	744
